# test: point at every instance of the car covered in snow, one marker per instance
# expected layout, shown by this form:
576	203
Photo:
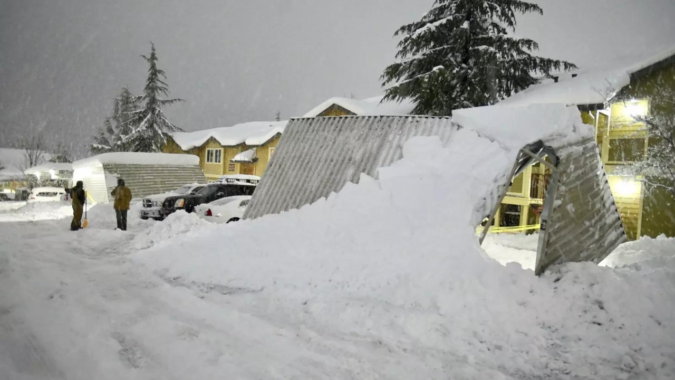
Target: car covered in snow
5	198
208	194
224	210
48	194
152	204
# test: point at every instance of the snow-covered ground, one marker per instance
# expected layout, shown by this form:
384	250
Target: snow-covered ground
80	307
364	285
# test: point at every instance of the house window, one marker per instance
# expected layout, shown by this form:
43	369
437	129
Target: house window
214	156
510	215
626	150
271	152
230	167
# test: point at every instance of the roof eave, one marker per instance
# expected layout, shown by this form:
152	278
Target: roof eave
653	67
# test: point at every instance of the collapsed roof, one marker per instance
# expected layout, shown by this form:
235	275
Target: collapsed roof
319	156
591	86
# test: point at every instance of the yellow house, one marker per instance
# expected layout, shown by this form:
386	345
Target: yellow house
360	107
240	149
610	100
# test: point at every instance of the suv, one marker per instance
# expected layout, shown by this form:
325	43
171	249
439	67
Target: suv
207	194
48	194
152	204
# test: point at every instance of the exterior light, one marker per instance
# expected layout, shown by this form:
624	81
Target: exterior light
627	188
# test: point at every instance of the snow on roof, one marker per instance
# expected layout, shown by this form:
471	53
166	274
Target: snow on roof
365	107
49	166
245	156
131	158
591	86
12	160
515	127
251	133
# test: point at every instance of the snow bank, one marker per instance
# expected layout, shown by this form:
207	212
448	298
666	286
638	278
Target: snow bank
645	252
252	134
365	107
6	206
370	262
396	262
512	248
131	158
35	211
179	223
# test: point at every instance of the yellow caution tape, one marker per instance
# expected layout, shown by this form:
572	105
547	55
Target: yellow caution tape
531	227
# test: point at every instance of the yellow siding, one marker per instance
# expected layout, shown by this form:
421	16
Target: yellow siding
335	110
517	185
211	170
627	195
587	117
230	153
263	154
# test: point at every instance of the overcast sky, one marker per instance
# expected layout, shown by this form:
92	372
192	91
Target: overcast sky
62	61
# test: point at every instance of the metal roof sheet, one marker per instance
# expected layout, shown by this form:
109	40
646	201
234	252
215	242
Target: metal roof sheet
318	156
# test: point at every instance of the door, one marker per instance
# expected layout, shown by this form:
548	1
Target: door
247	169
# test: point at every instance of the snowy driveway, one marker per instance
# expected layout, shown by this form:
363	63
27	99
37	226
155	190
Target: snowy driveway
73	306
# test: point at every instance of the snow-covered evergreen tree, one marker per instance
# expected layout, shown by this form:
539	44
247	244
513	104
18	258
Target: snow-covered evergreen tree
459	56
120	124
151	125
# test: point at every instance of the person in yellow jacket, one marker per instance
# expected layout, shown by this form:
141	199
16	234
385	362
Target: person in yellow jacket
77	193
122	196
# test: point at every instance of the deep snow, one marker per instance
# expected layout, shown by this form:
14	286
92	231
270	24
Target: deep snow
79	308
396	261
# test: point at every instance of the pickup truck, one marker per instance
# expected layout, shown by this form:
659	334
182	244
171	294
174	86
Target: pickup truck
209	193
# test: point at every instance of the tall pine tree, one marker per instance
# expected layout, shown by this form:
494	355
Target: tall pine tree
117	126
459	56
151	125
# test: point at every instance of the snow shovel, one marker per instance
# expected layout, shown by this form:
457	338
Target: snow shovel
86	222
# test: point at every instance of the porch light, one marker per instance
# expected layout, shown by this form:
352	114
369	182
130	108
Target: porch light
627	188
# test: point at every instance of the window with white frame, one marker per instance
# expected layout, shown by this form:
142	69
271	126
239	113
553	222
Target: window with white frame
271	152
214	156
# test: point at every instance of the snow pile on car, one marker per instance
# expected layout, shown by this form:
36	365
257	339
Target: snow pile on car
177	224
395	261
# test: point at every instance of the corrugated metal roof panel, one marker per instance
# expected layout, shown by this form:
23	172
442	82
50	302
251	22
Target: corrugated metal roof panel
318	156
584	224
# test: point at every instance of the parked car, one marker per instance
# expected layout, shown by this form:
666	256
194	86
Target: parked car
5	198
224	210
208	194
152	204
239	178
48	194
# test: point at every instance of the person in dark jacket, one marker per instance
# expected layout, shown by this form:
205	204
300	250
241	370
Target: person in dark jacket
78	196
122	196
